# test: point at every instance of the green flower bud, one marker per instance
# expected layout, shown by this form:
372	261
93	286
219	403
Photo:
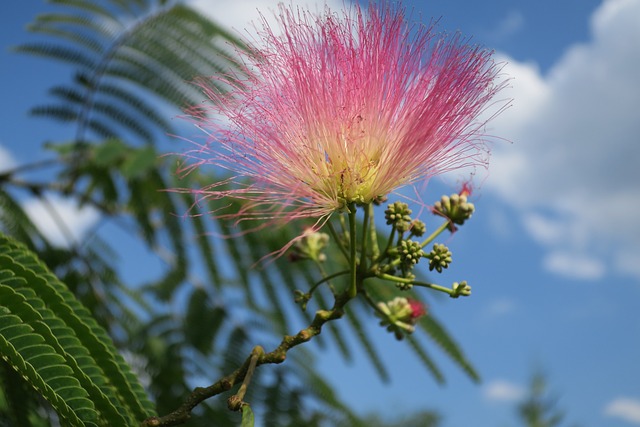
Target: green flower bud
410	252
310	246
400	315
454	207
379	200
398	215
406	286
418	228
439	258
301	298
460	289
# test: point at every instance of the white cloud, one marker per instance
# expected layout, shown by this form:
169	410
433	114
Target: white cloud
499	222
574	265
572	167
508	26
242	18
627	261
626	408
503	391
499	308
239	16
76	220
6	159
543	229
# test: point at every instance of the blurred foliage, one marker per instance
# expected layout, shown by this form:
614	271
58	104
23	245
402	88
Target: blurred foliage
200	312
418	419
540	408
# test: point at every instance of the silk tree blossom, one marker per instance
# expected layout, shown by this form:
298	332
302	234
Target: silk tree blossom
340	109
400	315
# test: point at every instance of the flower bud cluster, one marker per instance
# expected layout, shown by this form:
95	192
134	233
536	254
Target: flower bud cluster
440	257
418	228
410	253
310	246
407	252
460	289
398	215
456	208
400	315
301	298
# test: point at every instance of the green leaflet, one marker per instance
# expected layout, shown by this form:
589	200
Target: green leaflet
44	369
247	416
15	220
426	360
438	334
62	339
367	344
54	342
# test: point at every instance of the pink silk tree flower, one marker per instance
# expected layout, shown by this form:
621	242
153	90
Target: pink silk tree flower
340	109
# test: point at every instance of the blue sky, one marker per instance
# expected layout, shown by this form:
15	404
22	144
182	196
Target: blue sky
553	251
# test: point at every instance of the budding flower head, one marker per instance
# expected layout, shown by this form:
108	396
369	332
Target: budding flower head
418	228
440	257
417	309
341	108
456	208
410	252
460	289
310	246
400	315
398	214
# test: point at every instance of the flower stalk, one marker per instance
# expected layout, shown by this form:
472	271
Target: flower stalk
235	402
353	286
436	233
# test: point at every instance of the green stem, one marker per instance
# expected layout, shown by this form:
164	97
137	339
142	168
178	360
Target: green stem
336	238
435	234
372	303
343	224
7	174
435	287
363	246
389	243
235	402
352	246
327	278
373	235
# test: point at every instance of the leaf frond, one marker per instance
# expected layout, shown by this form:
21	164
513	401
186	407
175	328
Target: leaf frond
440	336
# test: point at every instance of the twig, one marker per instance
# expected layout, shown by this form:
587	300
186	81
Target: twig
199	394
235	402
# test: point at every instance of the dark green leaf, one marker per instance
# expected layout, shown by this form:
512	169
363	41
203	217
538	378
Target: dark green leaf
139	163
110	152
61	53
